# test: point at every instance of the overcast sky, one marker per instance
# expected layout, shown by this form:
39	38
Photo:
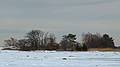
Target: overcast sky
60	17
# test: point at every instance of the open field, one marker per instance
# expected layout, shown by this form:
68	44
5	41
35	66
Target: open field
59	59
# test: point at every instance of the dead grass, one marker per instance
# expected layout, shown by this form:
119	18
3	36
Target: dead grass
103	49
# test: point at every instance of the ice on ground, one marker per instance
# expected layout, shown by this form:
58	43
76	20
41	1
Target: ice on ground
59	59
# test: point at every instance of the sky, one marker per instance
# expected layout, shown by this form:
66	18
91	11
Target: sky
17	17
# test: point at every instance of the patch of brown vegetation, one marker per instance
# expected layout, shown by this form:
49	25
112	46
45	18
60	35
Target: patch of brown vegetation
103	49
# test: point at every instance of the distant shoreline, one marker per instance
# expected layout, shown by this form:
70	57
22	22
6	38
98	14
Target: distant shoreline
89	49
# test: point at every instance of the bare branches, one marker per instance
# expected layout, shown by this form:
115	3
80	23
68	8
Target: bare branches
97	41
39	40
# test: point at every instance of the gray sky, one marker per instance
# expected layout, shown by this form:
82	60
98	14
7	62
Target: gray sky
59	16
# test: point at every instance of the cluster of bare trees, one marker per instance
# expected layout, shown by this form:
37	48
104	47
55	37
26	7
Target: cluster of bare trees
34	40
98	41
39	40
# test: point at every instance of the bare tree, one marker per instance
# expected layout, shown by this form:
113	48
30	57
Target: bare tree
39	40
52	45
11	42
35	37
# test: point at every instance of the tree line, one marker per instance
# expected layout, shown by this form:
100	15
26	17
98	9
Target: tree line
39	40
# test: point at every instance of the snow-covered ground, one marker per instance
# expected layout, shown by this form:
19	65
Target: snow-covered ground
59	59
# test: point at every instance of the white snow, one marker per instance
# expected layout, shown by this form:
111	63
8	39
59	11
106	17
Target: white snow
59	59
